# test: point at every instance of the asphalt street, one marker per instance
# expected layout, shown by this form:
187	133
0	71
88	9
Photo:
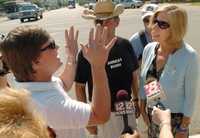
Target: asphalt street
56	21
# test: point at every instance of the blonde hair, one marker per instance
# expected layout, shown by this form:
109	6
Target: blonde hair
18	118
178	21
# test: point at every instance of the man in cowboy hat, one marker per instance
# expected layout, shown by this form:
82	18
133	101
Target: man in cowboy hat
121	69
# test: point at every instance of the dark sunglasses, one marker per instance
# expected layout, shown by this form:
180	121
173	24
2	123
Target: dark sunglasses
51	45
146	20
98	21
161	24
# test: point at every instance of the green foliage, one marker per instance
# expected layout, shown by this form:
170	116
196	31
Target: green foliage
2	1
37	2
82	2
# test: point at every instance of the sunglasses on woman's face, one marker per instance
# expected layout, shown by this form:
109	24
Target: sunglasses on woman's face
161	24
51	45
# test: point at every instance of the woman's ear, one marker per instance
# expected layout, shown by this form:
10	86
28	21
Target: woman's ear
117	22
35	64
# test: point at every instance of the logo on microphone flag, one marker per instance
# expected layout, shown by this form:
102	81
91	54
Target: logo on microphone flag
154	91
125	107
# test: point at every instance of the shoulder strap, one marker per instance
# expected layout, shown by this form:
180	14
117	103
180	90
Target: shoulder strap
143	38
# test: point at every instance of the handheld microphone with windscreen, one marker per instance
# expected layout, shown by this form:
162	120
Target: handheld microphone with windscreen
124	107
155	93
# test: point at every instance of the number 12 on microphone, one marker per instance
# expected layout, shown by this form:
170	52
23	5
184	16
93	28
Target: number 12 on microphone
124	107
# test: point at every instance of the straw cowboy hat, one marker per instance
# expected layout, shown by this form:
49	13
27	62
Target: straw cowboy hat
104	9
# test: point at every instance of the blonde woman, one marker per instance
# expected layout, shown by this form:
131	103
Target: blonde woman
174	64
18	118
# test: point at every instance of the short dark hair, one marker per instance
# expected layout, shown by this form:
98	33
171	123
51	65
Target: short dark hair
21	48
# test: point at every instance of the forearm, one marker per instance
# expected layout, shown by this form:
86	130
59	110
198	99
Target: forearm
101	104
68	74
135	84
80	92
165	131
146	118
143	112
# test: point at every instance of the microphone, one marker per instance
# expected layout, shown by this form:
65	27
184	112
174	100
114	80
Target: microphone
124	107
155	93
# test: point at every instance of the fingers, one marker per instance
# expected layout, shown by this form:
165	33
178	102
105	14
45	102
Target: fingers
91	36
104	35
98	33
111	43
71	33
66	36
76	36
84	49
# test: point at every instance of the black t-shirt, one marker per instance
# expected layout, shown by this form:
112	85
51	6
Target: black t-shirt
122	62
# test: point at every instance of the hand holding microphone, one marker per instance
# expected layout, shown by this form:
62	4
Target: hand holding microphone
161	117
124	107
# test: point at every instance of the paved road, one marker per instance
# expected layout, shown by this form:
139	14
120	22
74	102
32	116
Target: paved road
56	21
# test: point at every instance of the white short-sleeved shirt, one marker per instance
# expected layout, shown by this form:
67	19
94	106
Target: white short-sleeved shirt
65	115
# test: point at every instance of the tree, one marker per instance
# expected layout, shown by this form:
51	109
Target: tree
38	2
2	1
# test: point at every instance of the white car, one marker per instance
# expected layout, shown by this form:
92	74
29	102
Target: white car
91	5
2	36
131	3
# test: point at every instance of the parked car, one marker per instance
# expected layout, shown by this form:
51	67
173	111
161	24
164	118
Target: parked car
12	15
131	3
71	4
2	36
30	11
86	5
155	1
12	9
138	3
91	5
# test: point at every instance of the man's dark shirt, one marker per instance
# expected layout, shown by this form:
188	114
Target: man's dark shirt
122	62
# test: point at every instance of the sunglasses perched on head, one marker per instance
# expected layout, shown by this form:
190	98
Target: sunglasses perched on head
161	24
51	45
